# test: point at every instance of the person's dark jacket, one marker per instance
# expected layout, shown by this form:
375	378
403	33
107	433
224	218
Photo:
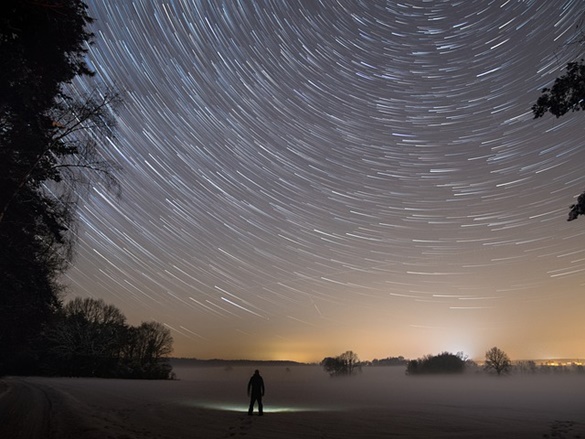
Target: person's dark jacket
256	385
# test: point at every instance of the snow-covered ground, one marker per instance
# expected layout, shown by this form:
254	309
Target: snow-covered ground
300	402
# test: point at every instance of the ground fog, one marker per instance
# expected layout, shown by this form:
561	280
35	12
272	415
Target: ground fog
300	388
300	401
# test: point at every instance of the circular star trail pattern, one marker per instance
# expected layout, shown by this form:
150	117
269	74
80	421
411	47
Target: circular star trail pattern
304	177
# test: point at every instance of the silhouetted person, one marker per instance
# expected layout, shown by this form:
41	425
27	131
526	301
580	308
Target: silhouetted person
255	392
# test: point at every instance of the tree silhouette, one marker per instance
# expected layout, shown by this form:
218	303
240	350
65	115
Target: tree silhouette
48	139
350	362
567	94
87	339
347	363
91	338
445	362
145	349
497	360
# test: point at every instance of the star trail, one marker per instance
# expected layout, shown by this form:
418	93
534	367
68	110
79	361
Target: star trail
304	177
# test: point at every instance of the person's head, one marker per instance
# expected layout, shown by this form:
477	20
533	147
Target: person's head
256	372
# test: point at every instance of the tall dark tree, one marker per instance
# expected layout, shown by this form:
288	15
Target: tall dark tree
43	139
42	45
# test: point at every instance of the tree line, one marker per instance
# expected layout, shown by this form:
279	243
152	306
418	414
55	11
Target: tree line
496	361
88	338
50	140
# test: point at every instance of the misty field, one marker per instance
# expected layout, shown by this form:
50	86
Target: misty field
300	401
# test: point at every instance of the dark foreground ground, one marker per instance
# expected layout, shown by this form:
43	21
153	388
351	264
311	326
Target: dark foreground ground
300	402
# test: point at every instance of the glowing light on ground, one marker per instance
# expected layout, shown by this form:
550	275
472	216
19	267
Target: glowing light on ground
243	408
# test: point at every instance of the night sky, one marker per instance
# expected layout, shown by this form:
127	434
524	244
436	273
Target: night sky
305	177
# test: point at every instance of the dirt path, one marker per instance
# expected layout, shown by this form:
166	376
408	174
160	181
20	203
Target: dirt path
25	410
69	408
32	411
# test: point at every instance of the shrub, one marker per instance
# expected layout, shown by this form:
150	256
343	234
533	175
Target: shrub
445	362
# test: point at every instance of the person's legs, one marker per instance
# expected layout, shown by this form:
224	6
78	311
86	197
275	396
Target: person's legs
260	407
251	408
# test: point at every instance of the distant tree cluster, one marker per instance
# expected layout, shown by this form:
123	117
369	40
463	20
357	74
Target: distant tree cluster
496	361
390	361
443	363
530	367
346	364
90	338
525	367
560	369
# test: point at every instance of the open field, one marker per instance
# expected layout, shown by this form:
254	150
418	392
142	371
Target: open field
300	401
